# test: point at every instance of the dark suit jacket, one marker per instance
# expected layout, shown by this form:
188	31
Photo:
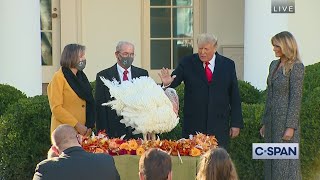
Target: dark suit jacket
208	106
107	119
77	164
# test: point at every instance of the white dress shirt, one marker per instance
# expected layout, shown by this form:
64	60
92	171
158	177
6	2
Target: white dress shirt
211	63
121	70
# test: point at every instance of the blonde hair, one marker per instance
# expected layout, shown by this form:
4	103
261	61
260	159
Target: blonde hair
289	48
216	165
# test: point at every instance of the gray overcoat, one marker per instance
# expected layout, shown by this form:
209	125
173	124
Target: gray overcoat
282	110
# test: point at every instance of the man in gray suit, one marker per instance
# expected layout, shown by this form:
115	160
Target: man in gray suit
73	162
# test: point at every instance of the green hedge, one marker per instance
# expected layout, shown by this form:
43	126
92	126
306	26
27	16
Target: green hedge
311	79
310	134
248	93
24	137
241	147
9	94
93	86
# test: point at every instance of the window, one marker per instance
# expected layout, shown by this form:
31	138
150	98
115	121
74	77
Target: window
50	39
46	32
170	27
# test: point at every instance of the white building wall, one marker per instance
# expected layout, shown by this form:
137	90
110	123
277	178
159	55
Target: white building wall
305	26
20	45
260	25
99	26
225	19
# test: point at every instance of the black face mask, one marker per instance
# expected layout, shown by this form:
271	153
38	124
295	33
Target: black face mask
126	61
81	65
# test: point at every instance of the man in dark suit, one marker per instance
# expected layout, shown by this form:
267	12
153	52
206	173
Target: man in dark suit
211	93
73	162
107	119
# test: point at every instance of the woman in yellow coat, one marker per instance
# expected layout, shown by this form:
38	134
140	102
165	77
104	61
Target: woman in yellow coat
70	94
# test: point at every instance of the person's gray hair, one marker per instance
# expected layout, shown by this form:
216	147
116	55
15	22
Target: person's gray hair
207	38
122	43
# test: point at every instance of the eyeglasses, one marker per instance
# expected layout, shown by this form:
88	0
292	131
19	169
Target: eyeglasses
125	54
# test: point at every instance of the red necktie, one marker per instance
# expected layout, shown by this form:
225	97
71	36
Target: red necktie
208	72
125	75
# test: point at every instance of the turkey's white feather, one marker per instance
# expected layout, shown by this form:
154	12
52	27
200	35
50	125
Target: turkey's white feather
143	105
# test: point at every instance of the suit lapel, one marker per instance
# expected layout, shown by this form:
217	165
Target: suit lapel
274	71
114	73
199	68
217	68
134	72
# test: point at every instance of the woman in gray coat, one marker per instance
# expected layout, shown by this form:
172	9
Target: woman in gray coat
283	104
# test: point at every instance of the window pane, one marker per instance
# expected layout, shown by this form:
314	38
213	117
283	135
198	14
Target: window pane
160	22
182	22
181	48
182	2
160	54
45	15
160	2
46	48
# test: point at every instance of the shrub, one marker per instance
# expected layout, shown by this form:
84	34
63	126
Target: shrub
311	78
310	135
248	93
9	94
263	96
93	86
24	137
241	147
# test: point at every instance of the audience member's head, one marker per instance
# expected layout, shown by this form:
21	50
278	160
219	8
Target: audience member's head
216	164
155	164
64	137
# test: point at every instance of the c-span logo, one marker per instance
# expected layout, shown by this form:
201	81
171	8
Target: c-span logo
275	150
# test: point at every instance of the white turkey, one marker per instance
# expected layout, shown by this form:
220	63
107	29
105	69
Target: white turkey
144	105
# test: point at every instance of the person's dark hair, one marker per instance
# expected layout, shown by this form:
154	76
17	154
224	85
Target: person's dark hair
216	164
71	55
155	164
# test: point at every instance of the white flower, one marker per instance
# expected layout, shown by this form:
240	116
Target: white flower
143	105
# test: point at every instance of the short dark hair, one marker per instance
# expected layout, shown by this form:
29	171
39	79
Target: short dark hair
155	164
70	55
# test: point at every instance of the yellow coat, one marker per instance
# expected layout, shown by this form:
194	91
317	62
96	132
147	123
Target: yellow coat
65	104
